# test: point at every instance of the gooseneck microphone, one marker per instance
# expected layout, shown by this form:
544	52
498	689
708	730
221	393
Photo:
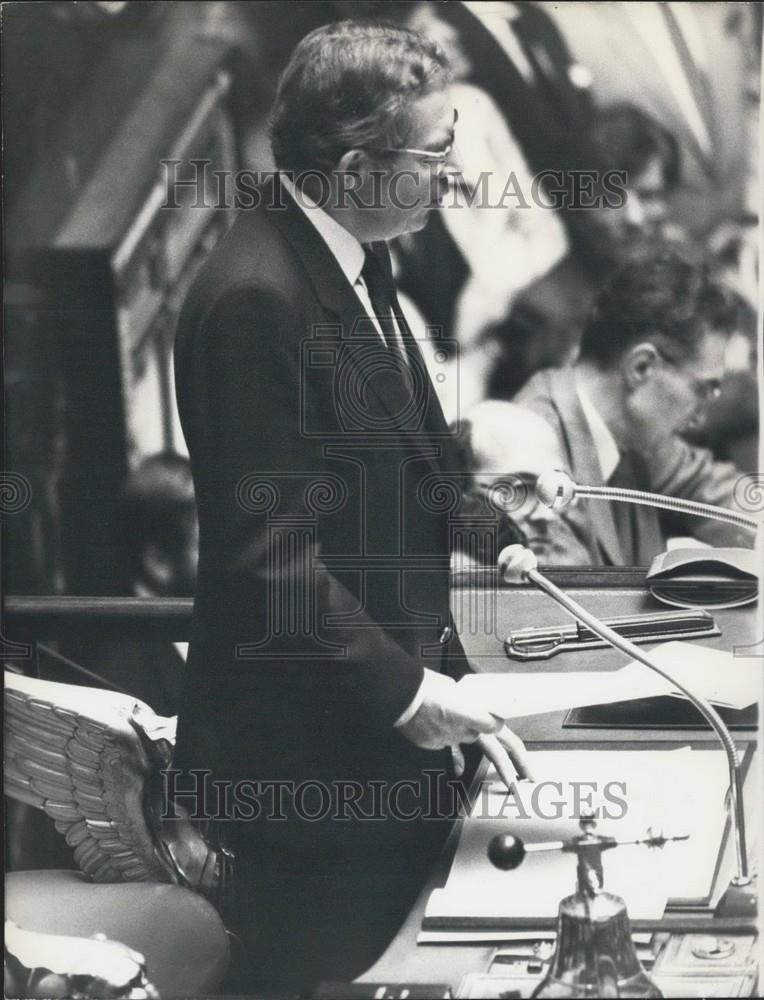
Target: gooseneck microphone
556	489
518	564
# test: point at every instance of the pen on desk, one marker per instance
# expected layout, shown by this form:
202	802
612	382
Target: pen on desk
543	642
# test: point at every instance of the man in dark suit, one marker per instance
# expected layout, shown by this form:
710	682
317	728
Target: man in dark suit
322	674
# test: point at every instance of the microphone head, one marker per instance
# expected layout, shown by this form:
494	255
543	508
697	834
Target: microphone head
514	563
555	489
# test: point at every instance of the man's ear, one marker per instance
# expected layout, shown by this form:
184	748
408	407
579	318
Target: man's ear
354	161
639	364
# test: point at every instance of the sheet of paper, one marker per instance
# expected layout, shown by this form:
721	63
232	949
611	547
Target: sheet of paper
512	695
677	791
726	680
500	937
720	677
478	937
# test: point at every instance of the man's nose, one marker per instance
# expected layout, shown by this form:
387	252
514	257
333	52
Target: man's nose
541	515
698	418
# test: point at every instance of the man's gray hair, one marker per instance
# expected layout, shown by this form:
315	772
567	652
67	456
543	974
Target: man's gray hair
348	86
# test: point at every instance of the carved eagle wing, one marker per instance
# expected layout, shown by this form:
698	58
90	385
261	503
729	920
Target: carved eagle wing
93	761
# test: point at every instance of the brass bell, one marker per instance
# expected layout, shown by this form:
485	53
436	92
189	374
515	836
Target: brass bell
594	954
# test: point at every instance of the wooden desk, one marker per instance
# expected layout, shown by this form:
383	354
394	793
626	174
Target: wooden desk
483	617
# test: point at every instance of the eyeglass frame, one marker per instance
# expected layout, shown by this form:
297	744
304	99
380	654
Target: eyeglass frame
524	480
437	156
705	390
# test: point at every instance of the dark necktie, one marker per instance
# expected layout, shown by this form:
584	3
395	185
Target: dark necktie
625	514
382	294
378	275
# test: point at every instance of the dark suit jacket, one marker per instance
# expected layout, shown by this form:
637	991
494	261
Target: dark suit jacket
626	534
323	585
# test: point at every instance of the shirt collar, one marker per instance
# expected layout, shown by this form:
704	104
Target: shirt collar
605	447
346	249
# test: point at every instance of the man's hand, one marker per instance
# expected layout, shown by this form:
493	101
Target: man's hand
448	716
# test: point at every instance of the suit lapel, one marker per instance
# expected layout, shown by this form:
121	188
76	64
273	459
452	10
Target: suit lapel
583	460
361	345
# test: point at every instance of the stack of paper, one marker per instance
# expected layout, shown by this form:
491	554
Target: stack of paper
676	791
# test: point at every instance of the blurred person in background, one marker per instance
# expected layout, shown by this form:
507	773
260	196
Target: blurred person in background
520	58
731	427
158	533
544	328
507	239
506	447
626	139
651	362
691	67
161	528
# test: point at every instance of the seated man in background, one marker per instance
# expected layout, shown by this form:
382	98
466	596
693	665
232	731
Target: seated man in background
505	448
731	429
652	359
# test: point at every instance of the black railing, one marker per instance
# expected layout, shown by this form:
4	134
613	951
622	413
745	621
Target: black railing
128	618
26	619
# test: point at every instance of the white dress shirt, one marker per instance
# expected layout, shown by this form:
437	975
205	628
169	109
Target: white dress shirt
350	256
346	250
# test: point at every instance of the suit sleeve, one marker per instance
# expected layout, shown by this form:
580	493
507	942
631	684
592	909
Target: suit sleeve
255	402
678	469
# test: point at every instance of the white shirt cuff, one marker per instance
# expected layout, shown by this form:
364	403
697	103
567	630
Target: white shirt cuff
414	706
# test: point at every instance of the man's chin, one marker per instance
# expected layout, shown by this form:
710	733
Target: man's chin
418	220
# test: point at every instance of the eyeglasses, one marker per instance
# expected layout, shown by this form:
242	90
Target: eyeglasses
436	157
513	493
704	388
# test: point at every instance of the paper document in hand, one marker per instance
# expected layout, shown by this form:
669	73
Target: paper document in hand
679	791
513	695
